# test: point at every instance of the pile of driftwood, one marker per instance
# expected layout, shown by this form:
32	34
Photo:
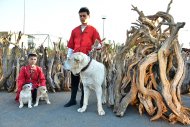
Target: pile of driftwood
148	70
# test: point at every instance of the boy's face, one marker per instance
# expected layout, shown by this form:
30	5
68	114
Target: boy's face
32	60
84	17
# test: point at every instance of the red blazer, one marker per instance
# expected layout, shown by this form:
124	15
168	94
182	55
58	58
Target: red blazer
30	75
83	41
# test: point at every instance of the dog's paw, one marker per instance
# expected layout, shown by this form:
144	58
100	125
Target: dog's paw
81	110
29	106
20	106
101	112
35	105
48	102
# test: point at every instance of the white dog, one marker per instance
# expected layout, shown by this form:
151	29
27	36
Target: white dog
42	94
26	96
92	74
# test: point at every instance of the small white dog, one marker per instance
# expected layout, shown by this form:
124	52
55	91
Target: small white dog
92	74
26	96
42	94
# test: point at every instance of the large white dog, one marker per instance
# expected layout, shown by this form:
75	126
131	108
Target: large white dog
92	74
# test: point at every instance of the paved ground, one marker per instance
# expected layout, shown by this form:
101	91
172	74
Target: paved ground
56	115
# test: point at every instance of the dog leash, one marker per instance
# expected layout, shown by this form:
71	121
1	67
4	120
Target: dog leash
86	65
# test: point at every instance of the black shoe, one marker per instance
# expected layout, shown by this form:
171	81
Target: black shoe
70	103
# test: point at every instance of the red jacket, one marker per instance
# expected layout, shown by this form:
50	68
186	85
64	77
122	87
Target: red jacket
30	75
83	41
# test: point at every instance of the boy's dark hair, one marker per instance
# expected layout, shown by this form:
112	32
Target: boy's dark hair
84	9
32	55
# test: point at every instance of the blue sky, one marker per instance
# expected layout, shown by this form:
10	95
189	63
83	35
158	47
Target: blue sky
59	17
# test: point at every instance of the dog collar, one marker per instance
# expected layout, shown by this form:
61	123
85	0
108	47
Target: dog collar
87	65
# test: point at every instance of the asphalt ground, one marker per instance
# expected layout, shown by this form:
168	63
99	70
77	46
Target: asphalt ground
56	115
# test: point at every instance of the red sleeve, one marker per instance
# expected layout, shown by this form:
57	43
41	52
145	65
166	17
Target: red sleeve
96	36
71	41
42	78
20	81
21	77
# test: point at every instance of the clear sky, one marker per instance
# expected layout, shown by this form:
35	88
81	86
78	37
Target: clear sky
59	17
